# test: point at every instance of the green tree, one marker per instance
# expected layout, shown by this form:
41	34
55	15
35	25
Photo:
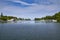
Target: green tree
57	16
37	19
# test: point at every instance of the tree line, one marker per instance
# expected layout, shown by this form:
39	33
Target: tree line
56	16
5	18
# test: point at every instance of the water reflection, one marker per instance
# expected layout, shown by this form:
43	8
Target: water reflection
1	30
8	22
39	21
28	21
30	30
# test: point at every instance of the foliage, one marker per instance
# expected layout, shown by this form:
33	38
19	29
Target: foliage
55	17
27	19
37	19
5	18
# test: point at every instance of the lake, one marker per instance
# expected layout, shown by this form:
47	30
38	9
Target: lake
29	30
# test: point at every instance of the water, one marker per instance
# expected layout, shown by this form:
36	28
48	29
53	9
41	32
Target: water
29	30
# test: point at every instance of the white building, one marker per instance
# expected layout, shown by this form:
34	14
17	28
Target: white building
10	20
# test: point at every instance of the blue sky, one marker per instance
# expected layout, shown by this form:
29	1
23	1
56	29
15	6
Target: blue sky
29	8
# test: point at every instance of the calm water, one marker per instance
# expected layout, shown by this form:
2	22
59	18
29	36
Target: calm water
29	31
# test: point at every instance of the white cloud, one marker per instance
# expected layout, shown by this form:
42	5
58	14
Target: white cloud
21	2
24	3
31	11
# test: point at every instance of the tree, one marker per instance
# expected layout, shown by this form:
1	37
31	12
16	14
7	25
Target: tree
57	16
1	14
37	19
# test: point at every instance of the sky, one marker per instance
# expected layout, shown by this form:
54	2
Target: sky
29	8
